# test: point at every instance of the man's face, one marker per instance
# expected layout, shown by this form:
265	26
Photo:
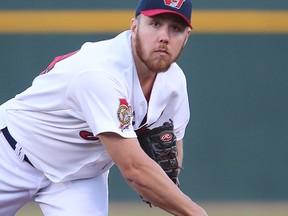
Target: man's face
159	40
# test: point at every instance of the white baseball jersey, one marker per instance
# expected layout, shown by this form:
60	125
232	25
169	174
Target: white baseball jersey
94	90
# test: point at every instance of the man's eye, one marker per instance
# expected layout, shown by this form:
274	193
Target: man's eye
155	24
175	28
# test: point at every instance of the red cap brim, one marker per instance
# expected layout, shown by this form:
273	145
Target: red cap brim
154	12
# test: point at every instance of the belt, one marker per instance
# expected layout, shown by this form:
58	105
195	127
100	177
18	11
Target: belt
13	142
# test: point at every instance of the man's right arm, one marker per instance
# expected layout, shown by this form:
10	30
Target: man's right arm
146	177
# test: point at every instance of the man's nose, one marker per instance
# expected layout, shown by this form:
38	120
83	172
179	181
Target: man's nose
164	35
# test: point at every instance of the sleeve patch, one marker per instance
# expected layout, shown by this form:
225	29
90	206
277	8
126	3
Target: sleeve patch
124	114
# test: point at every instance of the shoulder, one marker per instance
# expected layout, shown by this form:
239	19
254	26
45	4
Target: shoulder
174	74
116	48
112	55
175	71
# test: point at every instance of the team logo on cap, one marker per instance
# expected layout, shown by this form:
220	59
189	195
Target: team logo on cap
124	114
174	3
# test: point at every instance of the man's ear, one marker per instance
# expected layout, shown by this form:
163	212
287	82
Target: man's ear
187	36
133	25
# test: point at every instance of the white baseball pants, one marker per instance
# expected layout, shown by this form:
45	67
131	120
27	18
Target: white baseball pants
21	183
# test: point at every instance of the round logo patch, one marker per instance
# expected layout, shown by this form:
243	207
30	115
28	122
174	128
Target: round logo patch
166	137
124	114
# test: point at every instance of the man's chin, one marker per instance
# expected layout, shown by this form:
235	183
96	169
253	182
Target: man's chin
160	67
164	69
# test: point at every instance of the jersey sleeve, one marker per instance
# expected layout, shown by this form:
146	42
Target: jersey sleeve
101	99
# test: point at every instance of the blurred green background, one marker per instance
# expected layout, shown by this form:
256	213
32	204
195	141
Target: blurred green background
236	142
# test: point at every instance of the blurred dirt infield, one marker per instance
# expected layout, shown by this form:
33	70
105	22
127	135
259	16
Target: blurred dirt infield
213	209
